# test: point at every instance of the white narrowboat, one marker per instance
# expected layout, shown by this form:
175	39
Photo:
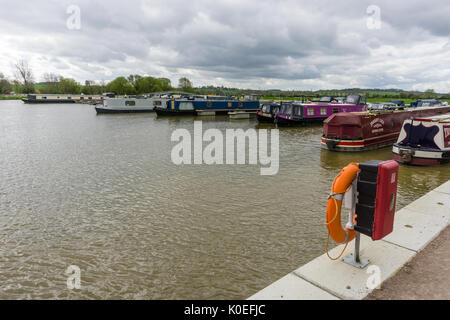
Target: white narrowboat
424	141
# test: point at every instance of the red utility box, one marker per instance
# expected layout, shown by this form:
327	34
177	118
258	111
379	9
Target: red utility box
377	197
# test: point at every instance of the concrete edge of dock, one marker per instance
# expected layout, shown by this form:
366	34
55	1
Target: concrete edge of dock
415	226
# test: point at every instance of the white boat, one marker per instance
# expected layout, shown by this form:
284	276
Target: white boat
130	105
424	141
239	115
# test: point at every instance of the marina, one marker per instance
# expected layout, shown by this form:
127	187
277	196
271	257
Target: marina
209	157
107	197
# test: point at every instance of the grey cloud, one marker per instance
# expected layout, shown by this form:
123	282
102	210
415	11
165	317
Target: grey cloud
239	41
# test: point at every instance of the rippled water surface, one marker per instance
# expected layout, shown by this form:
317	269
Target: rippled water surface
101	192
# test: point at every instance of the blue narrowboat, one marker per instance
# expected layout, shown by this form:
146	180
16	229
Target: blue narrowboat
206	106
268	112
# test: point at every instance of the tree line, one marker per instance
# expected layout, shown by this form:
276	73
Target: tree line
136	84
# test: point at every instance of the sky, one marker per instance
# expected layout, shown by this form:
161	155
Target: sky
258	44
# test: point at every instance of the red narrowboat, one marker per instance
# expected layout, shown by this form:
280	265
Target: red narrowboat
361	131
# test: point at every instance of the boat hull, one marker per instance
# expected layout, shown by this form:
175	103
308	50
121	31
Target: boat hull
283	122
101	110
171	112
31	101
264	118
416	157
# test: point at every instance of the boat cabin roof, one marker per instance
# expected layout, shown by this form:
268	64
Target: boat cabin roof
437	118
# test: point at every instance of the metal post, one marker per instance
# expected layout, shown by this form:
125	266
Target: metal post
355	259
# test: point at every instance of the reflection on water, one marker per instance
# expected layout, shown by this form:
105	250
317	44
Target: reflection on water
100	192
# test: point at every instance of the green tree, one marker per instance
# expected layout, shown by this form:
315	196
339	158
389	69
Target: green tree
184	83
429	94
121	86
5	85
68	86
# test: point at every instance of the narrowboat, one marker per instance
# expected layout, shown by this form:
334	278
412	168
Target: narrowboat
130	105
61	98
428	103
361	131
294	113
205	106
267	112
424	141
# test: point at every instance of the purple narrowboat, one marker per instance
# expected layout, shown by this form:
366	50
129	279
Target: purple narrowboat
295	113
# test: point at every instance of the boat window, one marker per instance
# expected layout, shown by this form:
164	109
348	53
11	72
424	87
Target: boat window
310	111
157	102
323	111
130	103
209	104
275	110
265	108
335	110
230	104
186	106
286	109
352	99
240	104
298	110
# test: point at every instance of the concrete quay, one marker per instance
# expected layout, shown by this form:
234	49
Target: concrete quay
415	226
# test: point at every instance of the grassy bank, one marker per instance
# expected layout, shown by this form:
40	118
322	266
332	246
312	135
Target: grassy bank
5	97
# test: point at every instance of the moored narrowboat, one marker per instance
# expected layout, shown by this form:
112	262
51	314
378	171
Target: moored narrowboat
424	141
361	131
130	105
267	112
209	106
295	113
61	98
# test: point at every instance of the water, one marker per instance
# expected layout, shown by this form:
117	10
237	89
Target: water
101	192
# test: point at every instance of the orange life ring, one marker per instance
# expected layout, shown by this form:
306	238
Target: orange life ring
340	185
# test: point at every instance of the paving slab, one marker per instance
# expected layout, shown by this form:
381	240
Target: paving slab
433	203
348	282
415	230
292	287
445	188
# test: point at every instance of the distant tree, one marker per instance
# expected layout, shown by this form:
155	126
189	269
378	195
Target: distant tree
133	79
24	75
429	94
121	86
5	85
165	84
68	86
50	85
184	83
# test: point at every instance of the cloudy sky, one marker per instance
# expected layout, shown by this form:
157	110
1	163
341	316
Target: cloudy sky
261	44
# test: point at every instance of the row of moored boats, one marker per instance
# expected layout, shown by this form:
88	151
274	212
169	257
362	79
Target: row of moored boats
420	132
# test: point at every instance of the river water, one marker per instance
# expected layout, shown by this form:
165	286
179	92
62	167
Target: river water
100	192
